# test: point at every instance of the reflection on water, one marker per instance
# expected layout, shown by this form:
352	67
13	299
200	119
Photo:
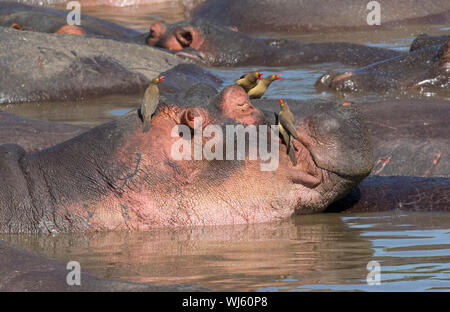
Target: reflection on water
83	113
317	252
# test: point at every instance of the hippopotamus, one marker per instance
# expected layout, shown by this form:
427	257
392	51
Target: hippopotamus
34	135
215	45
425	40
409	136
47	20
399	193
425	70
47	67
114	3
263	16
116	177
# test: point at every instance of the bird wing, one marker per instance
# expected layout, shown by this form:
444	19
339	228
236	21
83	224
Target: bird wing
288	124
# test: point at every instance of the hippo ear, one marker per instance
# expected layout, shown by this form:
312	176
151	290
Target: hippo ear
184	36
16	26
188	117
189	37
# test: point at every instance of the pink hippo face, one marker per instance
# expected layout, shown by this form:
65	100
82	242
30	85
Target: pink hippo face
116	177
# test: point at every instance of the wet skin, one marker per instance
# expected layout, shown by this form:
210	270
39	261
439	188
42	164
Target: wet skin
426	69
115	177
293	16
215	45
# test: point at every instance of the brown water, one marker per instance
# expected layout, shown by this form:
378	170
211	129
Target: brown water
318	252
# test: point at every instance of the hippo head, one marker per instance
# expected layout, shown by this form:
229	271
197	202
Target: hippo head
115	176
203	42
423	70
438	76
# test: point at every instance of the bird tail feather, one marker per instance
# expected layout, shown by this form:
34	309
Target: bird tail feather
146	125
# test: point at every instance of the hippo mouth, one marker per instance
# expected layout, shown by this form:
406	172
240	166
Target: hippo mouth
306	172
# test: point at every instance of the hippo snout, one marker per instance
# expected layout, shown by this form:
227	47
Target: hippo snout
339	141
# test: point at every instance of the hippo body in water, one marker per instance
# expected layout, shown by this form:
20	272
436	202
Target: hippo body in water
299	16
402	146
425	69
49	67
398	193
34	135
425	40
48	20
115	177
215	45
409	137
114	3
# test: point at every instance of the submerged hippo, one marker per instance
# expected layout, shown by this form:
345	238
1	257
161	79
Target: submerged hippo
424	40
397	193
423	70
25	17
259	16
216	45
116	3
116	177
48	67
409	136
34	135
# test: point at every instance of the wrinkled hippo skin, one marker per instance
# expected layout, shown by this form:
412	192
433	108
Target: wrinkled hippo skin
50	21
259	16
215	45
115	177
34	135
424	40
424	70
376	194
46	67
22	270
409	137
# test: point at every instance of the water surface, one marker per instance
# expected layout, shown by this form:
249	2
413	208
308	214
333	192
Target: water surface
316	252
